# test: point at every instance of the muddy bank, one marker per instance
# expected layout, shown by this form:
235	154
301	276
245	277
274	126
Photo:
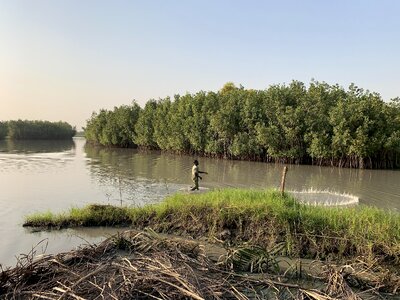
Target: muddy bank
146	265
263	218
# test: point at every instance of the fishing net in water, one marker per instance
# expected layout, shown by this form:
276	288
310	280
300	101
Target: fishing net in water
324	198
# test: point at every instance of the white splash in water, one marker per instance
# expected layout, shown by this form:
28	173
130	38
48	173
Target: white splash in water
324	198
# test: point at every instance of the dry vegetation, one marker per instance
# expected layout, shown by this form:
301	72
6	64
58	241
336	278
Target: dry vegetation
272	248
144	265
262	218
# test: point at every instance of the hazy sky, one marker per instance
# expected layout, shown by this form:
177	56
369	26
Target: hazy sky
62	60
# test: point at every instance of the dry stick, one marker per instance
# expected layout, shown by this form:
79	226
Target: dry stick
316	295
173	274
147	294
38	295
186	292
96	286
80	280
69	293
64	267
270	282
238	294
376	288
127	261
110	287
283	180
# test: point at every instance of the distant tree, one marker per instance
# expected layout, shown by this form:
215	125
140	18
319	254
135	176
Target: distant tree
144	126
40	130
360	128
3	130
201	107
114	128
161	123
320	101
228	88
391	151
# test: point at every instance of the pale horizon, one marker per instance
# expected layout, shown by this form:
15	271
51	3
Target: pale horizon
63	60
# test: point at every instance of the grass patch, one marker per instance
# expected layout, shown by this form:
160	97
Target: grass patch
258	217
91	215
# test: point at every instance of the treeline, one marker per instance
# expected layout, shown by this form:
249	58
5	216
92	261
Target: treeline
114	128
320	124
3	130
25	129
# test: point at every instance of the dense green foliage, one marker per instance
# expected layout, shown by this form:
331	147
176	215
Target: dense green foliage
3	130
263	218
26	129
113	128
320	124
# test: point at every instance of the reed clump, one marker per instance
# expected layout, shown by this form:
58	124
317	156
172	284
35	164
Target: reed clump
258	217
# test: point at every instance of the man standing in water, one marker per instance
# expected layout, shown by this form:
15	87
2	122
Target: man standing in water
195	175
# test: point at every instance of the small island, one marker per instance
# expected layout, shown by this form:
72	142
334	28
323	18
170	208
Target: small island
36	130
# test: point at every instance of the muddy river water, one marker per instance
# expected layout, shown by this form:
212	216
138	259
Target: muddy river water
38	176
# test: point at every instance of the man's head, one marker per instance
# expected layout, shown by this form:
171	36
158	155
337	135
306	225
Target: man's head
196	162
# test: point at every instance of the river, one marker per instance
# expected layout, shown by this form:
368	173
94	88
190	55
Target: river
38	176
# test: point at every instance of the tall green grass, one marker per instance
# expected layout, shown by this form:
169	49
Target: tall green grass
261	217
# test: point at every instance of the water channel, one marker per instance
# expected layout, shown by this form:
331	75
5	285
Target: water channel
38	176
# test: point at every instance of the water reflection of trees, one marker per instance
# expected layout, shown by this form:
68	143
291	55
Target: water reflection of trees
131	175
169	168
131	163
332	179
36	146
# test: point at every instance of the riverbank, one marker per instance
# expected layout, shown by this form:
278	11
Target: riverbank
144	265
261	244
258	217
